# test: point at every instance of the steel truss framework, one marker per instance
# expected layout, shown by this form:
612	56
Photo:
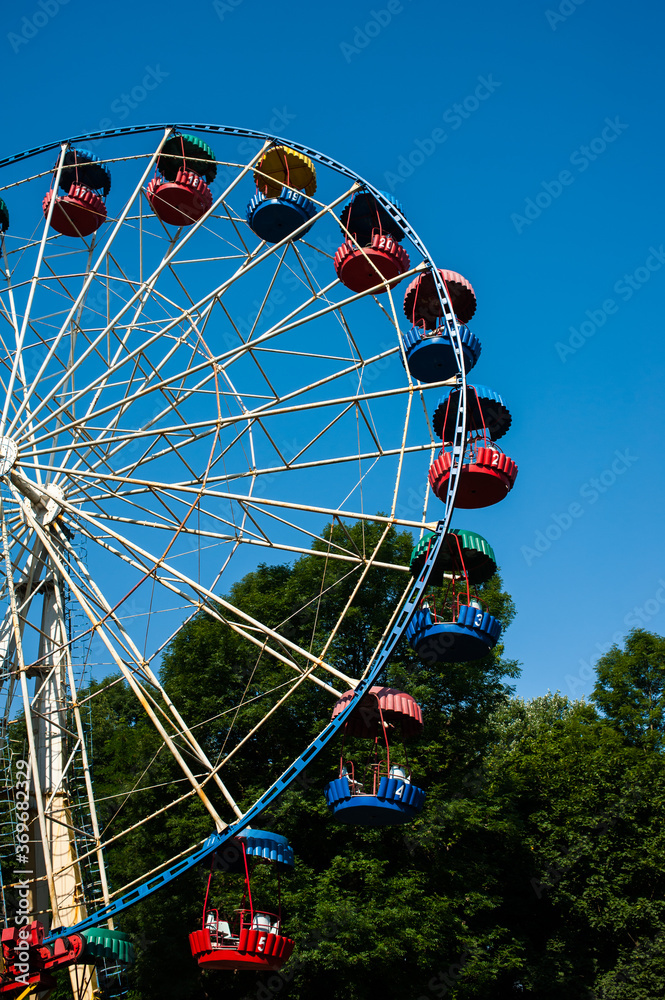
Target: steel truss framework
176	401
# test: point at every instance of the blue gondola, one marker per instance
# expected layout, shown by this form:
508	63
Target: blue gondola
284	181
430	355
80	166
487	414
275	219
396	801
469	635
454	627
378	792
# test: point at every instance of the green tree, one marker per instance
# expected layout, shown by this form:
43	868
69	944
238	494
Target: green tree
630	690
585	902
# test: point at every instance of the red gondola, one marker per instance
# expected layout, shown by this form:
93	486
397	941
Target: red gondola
422	305
487	475
181	196
371	252
249	938
181	202
87	182
362	268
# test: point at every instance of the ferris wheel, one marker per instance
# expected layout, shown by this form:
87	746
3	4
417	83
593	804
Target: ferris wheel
203	367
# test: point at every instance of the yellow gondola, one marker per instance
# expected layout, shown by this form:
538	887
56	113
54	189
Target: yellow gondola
282	166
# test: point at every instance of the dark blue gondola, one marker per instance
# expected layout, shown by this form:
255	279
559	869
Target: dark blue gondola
80	166
470	635
396	800
275	219
371	250
284	181
454	627
430	355
379	792
487	414
365	215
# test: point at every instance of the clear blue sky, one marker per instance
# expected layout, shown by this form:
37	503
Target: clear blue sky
543	186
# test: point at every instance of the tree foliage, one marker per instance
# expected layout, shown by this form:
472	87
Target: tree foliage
535	868
630	690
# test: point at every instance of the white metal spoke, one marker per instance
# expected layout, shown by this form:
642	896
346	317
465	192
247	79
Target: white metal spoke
129	675
163	570
91	275
145	287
